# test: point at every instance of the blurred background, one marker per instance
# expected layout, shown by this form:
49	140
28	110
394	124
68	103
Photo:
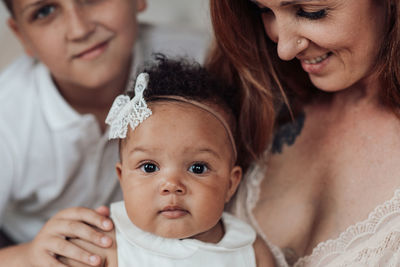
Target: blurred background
189	18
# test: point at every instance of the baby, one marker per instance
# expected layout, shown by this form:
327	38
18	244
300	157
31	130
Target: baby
178	168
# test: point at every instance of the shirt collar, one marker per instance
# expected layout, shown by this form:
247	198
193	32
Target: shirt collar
59	114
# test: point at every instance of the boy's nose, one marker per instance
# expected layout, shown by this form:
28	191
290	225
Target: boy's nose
79	24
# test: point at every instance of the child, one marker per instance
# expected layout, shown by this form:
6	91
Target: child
178	167
54	151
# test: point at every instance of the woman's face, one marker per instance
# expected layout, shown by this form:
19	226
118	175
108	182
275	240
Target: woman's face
85	43
336	41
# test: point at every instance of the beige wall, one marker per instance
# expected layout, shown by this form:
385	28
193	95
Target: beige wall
10	47
180	13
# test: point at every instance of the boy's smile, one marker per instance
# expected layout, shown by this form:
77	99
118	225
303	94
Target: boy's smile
92	51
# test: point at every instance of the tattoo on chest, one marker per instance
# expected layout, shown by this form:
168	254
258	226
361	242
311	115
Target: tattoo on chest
287	133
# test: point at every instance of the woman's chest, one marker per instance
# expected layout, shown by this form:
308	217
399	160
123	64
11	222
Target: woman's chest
316	188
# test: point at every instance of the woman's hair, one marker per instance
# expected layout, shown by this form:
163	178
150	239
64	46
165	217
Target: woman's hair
388	62
187	78
242	54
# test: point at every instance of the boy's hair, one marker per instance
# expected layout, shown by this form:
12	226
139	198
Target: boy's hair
186	78
8	4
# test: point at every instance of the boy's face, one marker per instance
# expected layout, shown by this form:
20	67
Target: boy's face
177	172
84	43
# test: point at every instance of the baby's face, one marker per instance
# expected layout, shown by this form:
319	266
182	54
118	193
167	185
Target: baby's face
177	172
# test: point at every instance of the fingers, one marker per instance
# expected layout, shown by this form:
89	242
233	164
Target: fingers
67	250
51	261
63	228
103	210
81	223
48	260
74	229
88	216
72	263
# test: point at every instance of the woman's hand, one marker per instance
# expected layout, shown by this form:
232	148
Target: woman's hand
81	223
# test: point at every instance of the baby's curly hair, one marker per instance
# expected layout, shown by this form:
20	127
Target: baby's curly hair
188	79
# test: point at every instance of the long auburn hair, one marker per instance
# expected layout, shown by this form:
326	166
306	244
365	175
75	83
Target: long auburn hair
244	55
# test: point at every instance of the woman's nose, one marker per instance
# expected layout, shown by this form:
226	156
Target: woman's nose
172	185
80	26
284	33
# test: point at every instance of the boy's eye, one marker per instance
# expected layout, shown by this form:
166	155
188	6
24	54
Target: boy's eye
149	168
312	15
198	168
44	11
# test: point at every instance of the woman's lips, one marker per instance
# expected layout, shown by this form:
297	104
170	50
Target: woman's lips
173	212
315	65
93	52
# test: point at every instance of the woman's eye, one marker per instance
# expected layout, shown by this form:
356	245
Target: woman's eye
312	15
44	11
198	168
149	167
259	9
263	10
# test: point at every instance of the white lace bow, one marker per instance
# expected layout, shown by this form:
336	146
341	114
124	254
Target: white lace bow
125	111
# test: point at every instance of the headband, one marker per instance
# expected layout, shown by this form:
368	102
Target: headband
125	111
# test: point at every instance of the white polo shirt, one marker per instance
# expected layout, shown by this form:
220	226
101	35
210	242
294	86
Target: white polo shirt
51	157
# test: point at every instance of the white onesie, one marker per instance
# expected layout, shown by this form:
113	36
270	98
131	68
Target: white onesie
139	248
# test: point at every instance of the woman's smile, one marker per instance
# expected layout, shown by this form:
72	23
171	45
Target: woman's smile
315	65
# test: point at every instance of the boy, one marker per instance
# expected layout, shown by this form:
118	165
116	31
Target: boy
54	152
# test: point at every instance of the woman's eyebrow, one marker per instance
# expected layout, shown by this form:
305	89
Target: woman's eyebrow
285	3
294	2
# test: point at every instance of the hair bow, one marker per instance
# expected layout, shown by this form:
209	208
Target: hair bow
125	111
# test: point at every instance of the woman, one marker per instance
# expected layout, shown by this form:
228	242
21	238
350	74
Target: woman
325	195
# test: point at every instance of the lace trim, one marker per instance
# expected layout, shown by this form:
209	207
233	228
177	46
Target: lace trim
253	181
339	245
352	233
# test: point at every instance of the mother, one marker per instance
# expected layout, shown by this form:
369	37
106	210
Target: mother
326	193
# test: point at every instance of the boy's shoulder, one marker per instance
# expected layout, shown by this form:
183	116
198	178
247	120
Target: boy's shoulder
19	68
16	78
19	97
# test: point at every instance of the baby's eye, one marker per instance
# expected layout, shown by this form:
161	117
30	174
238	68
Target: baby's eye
198	168
44	11
149	167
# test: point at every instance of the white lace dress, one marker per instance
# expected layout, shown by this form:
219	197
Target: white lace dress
373	242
